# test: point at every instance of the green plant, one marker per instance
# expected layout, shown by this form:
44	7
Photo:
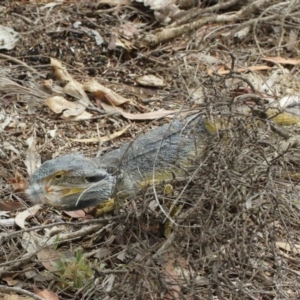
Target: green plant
75	271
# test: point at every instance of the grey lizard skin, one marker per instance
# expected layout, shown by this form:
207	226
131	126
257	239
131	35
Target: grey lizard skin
74	182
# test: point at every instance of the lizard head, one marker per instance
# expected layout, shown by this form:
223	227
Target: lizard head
71	182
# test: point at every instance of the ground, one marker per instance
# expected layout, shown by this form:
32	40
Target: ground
230	230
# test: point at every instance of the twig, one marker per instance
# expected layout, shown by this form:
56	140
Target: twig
11	235
192	13
17	290
19	62
171	33
166	245
257	20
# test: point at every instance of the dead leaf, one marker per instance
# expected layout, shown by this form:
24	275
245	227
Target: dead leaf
48	85
207	59
6	122
93	34
292	43
109	282
281	60
241	34
121	256
112	43
102	139
47	295
78	214
61	72
31	242
11	205
10	281
7	223
150	80
222	70
52	132
104	93
290	104
145	116
73	88
59	105
18	183
123	36
148	116
8	37
165	11
172	279
128	30
22	216
48	258
116	2
33	159
108	108
8	146
295	248
12	296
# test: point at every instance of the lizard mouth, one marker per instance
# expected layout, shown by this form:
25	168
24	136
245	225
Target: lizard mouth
62	196
63	191
53	195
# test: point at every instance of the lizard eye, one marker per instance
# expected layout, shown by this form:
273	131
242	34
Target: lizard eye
97	178
58	176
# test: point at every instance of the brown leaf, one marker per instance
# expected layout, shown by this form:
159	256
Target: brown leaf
48	85
59	104
47	295
222	70
295	248
123	36
150	80
292	43
104	93
116	2
11	205
73	88
153	115
22	216
172	279
30	241
112	43
148	116
109	108
61	72
78	214
281	60
18	183
48	257
8	146
129	30
10	281
145	116
5	123
103	139
33	159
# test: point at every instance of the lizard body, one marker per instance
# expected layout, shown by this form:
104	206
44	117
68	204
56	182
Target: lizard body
75	182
